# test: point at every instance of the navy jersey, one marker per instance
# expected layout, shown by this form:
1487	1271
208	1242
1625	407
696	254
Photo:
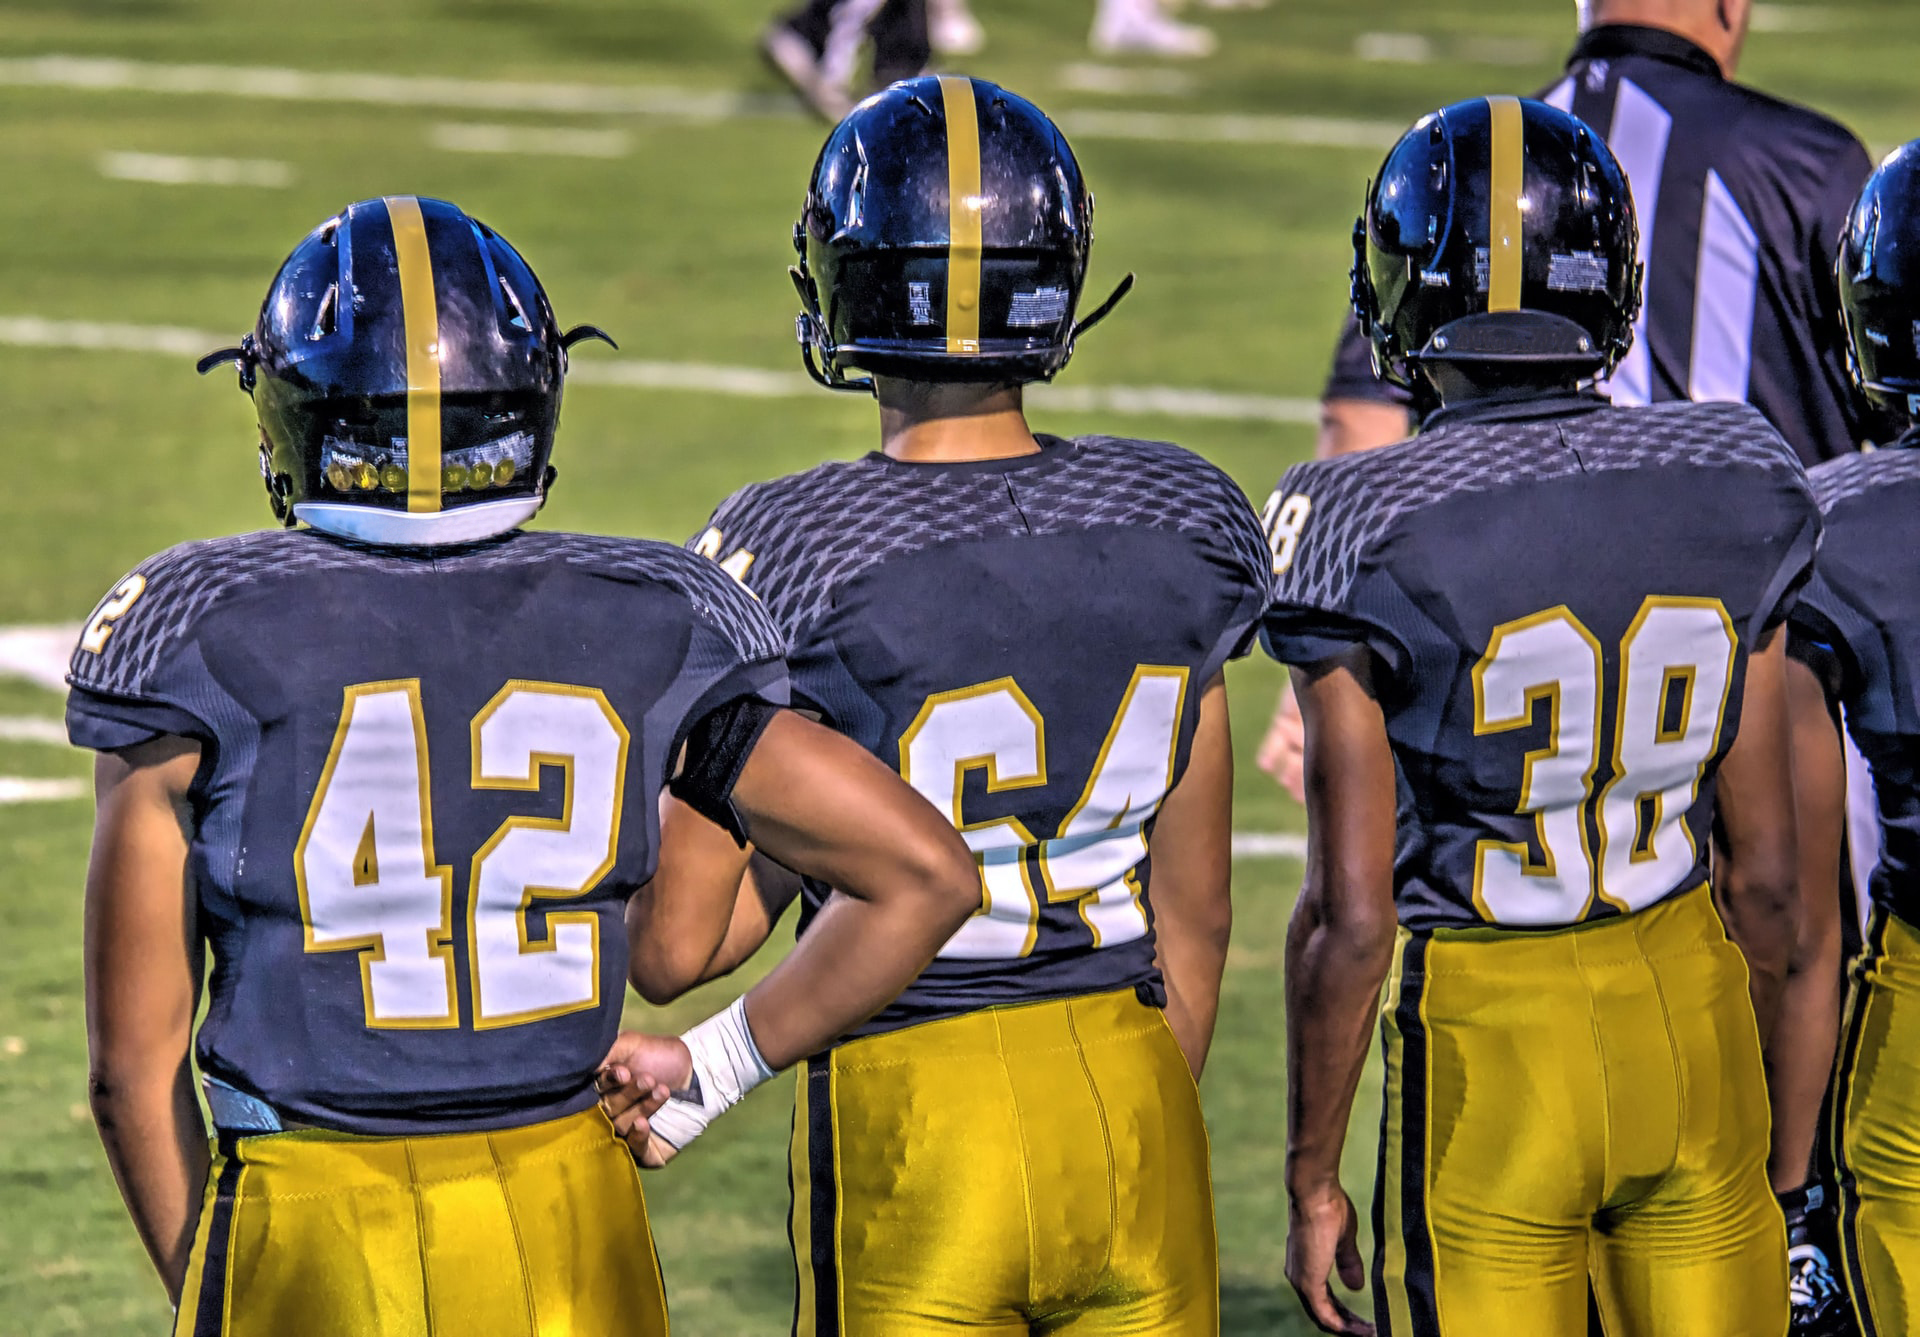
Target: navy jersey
1560	599
1858	624
429	786
1741	200
1026	641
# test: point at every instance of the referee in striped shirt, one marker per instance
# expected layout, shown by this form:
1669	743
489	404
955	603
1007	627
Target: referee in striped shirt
1741	199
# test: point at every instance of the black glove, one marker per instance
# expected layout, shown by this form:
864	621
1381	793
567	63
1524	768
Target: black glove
1820	1304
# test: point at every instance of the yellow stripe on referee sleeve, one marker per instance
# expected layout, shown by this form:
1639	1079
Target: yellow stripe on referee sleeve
1508	181
422	318
963	214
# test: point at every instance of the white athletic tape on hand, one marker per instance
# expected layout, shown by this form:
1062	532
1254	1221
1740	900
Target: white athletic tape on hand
726	1065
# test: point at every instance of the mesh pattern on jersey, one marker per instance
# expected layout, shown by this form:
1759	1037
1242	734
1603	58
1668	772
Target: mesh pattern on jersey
184	582
1839	480
814	531
1357	499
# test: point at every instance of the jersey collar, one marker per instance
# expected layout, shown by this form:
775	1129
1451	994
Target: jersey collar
1531	408
1054	451
1611	41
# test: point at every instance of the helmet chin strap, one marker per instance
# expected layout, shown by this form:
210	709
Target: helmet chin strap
1104	310
810	328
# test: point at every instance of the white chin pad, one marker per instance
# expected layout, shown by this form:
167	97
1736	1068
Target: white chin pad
418	529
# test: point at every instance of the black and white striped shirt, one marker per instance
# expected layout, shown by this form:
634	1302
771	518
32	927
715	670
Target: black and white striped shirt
1741	200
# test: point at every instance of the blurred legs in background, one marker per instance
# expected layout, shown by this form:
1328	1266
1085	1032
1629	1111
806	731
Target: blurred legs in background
1141	27
953	29
817	48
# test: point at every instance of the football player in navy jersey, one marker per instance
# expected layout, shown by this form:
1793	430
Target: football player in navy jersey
397	772
1032	630
1540	656
1856	647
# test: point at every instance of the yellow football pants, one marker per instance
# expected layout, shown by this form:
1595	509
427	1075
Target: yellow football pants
1020	1169
1876	1105
1579	1104
533	1232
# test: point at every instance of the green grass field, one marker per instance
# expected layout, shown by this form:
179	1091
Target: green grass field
678	246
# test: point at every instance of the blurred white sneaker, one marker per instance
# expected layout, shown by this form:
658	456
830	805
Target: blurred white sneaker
953	30
794	57
1139	27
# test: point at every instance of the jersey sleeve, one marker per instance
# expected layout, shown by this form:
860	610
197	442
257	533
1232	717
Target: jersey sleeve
1794	532
1322	532
1823	631
134	670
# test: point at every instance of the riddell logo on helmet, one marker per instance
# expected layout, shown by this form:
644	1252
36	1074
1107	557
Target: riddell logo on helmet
1437	278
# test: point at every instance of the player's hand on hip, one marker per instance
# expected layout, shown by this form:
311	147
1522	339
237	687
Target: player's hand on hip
635	1079
1322	1240
1283	751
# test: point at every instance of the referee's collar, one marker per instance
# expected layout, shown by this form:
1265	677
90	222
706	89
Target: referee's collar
1611	41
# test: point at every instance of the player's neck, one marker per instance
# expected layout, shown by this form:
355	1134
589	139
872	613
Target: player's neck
1718	29
924	422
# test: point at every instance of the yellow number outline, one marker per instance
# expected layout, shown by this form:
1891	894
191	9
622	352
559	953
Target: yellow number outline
536	763
372	946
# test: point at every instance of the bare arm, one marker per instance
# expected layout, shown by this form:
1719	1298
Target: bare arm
143	964
1339	949
1756	877
1808	1028
823	805
678	924
1192	850
1349	425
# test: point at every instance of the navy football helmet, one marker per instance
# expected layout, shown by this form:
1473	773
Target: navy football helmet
1878	270
944	238
1499	230
406	369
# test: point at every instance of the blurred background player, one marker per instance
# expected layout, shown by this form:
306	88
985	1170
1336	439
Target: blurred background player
418	965
818	48
1033	630
1574	1083
1856	635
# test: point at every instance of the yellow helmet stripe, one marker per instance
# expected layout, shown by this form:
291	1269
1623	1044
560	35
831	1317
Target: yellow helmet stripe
1508	181
421	314
963	214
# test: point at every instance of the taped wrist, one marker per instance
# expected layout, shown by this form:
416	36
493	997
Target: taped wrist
717	751
726	1065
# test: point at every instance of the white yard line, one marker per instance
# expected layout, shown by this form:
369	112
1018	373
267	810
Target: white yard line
32	729
1125	80
532	141
171	170
1393	48
92	74
15	789
1259	845
705	378
38	654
